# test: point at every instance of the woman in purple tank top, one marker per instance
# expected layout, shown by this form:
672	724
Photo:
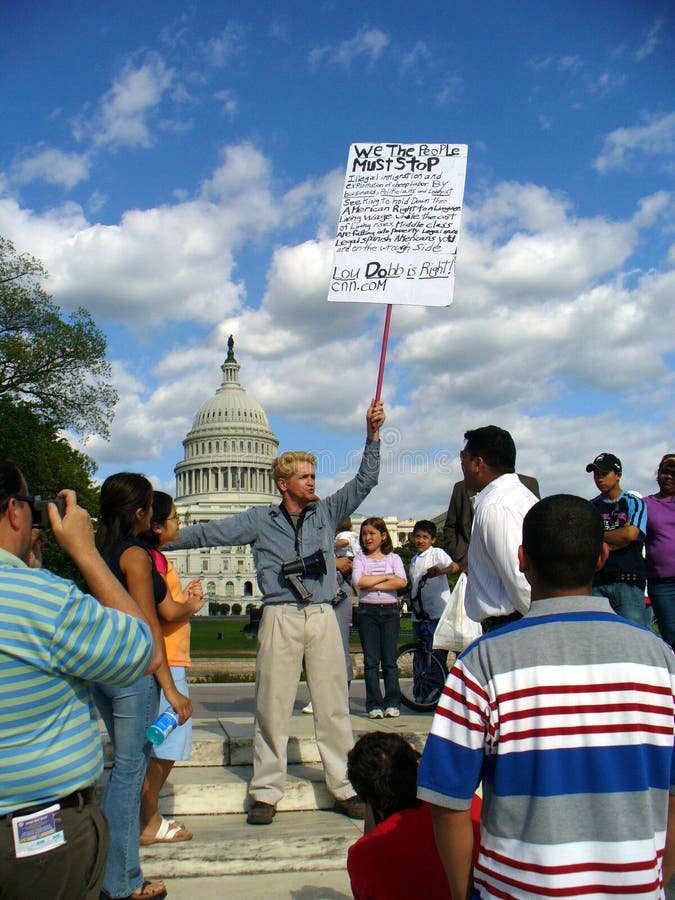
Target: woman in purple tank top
660	548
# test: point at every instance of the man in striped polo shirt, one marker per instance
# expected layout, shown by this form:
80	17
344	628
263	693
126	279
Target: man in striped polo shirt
567	718
54	640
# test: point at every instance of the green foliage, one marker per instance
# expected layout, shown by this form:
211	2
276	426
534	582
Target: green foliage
49	464
218	609
56	366
406	552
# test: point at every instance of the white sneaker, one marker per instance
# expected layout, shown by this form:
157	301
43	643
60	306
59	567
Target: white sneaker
309	709
391	712
376	714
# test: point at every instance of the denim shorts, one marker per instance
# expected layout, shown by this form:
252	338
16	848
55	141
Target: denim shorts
178	744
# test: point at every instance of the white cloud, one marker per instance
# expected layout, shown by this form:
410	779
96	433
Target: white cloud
419	56
38	234
546	337
570	64
222	49
124	114
650	39
523	243
96	202
624	148
52	166
228	101
450	90
279	33
606	82
170	263
135	438
368	42
176	126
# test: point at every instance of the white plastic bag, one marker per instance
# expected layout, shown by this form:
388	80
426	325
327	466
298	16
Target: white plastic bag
455	630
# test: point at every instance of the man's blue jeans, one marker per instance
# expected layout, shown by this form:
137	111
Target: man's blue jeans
662	595
127	712
378	630
626	600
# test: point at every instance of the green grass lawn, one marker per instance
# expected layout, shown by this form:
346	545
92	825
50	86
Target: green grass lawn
224	636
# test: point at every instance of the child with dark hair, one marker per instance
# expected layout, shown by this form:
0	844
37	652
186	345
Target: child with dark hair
429	589
378	574
164	527
397	857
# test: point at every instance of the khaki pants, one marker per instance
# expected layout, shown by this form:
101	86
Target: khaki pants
288	632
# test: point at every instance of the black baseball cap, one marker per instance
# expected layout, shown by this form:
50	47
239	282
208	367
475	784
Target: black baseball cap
605	462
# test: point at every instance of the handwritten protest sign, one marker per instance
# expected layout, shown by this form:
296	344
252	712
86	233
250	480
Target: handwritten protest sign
399	224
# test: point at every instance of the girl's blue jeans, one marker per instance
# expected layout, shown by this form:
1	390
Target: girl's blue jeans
378	630
127	712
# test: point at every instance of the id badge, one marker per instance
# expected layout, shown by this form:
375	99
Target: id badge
38	832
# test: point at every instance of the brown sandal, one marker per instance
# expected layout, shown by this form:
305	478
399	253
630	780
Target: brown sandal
149	890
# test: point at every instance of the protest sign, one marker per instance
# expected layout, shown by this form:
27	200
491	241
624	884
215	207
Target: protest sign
399	224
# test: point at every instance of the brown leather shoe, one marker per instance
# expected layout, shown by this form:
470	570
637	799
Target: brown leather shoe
351	807
261	813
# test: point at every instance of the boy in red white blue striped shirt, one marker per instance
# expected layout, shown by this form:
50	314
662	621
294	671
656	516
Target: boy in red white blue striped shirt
567	717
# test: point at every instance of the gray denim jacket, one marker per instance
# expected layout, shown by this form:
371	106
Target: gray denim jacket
273	539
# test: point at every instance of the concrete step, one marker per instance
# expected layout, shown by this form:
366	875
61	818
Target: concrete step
222	790
227	846
316	885
215	780
229	741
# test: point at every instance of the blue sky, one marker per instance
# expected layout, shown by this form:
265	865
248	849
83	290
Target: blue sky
179	167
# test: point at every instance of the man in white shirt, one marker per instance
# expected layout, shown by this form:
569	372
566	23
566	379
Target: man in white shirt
496	591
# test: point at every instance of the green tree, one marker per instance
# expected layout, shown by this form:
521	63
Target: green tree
49	464
57	366
406	552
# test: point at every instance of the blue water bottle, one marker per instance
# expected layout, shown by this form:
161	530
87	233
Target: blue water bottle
162	727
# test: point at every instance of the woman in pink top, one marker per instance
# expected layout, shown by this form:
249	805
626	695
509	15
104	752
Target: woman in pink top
379	574
660	548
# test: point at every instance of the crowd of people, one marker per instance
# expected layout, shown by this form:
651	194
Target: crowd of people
561	714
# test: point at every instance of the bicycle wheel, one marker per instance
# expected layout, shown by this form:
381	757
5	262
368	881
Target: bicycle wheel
421	677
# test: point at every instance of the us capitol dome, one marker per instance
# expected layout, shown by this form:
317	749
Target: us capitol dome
226	468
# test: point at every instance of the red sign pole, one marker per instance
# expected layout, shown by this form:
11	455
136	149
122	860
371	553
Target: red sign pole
383	353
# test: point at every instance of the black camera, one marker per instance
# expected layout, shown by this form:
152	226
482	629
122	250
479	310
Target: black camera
293	571
40	514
